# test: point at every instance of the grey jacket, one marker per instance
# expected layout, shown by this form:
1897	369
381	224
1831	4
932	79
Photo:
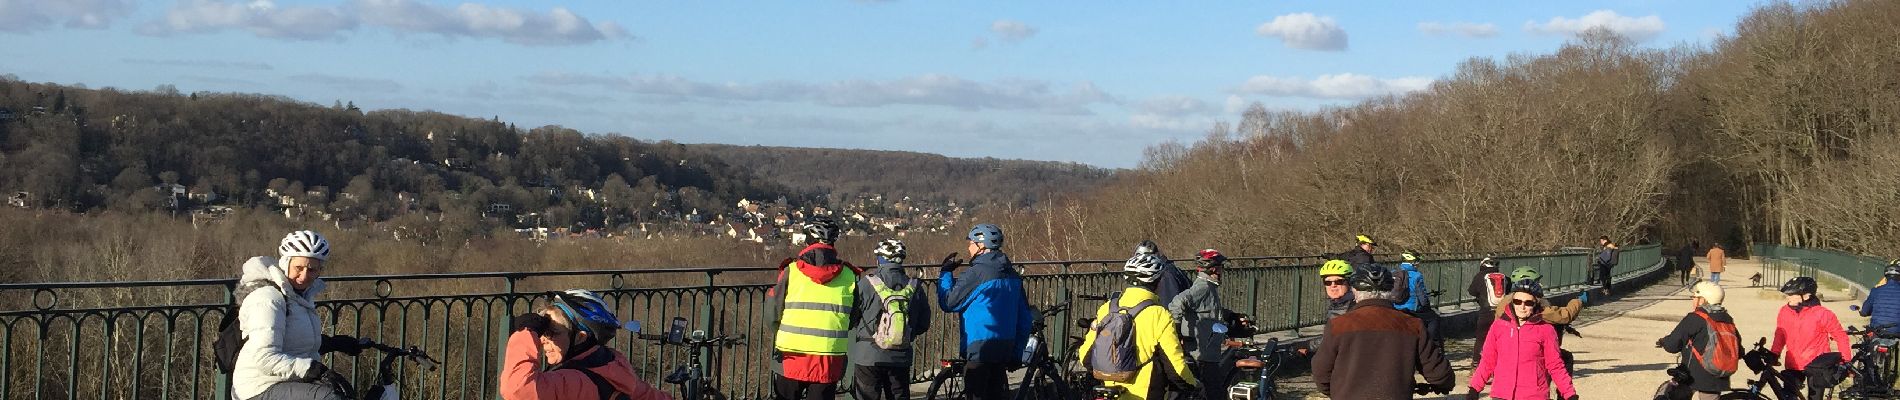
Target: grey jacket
869	307
1194	310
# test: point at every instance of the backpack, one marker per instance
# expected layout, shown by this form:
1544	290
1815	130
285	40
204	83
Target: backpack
231	338
893	322
1115	358
1495	288
1721	356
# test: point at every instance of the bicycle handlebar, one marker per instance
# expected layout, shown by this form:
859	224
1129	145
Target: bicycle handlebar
412	353
1869	330
1092	297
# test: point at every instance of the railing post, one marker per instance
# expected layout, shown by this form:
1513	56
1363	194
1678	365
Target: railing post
224	381
1299	300
501	325
706	317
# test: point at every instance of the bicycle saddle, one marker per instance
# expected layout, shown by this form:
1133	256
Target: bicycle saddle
678	376
1250	363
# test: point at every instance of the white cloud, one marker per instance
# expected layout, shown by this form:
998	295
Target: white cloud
264	18
21	16
1173	106
1235	104
1305	31
1639	29
1008	31
1466	29
926	90
558	26
1346	86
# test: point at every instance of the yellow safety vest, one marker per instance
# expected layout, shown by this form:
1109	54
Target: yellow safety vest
817	317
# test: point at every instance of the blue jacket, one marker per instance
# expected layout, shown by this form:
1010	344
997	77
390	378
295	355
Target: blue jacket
996	316
1883	304
1415	283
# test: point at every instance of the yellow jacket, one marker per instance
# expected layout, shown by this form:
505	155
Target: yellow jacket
1154	329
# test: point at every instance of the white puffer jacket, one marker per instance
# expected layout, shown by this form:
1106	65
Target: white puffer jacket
278	346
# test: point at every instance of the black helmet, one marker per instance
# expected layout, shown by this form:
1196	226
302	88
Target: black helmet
1528	286
820	229
1893	269
1372	278
1799	285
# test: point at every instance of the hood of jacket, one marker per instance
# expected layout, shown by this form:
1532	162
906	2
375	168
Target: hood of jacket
1717	313
271	269
820	262
892	274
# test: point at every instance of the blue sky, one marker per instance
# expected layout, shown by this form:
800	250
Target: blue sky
1069	81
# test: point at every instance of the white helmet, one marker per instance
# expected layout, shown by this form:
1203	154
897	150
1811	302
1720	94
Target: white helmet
1144	268
1710	292
304	244
890	250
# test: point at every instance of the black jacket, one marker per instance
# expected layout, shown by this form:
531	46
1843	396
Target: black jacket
1477	291
870	307
1693	332
1173	281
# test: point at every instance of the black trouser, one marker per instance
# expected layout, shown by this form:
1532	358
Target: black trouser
1603	275
1213	376
1483	328
1797	381
882	383
986	381
792	389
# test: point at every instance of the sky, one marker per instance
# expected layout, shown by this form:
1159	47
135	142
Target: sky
1089	82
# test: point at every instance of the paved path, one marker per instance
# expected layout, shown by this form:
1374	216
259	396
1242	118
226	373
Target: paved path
1617	357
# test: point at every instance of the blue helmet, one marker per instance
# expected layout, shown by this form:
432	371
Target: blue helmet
989	236
588	314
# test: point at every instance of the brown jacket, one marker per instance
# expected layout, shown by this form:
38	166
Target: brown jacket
1373	351
1718	259
1554	315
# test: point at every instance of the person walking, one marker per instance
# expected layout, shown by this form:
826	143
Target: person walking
1718	262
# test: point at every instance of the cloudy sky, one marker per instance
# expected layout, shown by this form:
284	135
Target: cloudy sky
1087	82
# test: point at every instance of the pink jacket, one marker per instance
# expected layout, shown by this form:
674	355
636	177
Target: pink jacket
1804	332
523	379
1521	361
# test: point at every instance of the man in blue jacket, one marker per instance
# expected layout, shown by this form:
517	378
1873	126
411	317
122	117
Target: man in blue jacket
995	311
1883	302
1416	301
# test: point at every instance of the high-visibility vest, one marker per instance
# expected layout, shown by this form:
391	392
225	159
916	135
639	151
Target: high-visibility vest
817	317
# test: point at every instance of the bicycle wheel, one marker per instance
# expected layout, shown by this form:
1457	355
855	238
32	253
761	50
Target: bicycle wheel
1043	382
948	385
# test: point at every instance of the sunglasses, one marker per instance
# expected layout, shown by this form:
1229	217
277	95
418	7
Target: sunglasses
1334	282
1523	302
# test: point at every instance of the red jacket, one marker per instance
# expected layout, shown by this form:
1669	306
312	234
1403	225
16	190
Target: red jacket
1521	360
523	379
819	262
1804	331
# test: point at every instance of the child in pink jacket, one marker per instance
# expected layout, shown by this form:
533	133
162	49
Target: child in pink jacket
1520	356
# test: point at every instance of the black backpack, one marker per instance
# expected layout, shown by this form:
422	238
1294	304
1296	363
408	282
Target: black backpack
231	338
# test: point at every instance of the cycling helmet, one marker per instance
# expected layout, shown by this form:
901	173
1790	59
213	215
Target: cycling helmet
890	250
588	313
989	236
1335	268
1525	273
819	229
1528	286
1363	239
1147	247
1210	257
1488	262
1710	292
1799	285
1372	278
1893	269
1142	268
304	244
1409	256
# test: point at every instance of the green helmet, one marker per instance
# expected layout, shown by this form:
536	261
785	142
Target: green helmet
1525	273
1335	267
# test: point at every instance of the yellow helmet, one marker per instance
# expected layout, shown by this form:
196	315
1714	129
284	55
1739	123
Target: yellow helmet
1363	239
1409	256
1335	267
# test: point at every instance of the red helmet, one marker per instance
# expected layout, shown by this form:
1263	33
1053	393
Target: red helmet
1210	257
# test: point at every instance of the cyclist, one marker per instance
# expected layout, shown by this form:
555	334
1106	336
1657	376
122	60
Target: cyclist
1804	329
1694	334
810	309
1883	302
1521	358
1195	312
569	336
1361	253
1373	351
1335	276
1490	287
1158	350
994	309
881	349
1173	280
284	334
1417	301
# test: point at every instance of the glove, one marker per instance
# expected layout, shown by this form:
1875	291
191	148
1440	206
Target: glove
1572	397
317	370
1443	389
345	344
533	322
950	263
337	382
1473	394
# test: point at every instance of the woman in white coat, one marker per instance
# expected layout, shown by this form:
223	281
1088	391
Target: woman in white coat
283	334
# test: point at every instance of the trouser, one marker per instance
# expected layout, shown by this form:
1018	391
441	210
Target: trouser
882	383
986	381
792	389
1797	381
1213	376
1715	277
1686	273
297	391
1603	275
1483	327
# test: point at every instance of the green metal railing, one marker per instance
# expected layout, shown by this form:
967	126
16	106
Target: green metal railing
1788	262
151	339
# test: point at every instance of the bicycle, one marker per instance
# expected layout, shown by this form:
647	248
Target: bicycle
691	376
1759	360
1050	376
385	385
1260	362
1873	377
